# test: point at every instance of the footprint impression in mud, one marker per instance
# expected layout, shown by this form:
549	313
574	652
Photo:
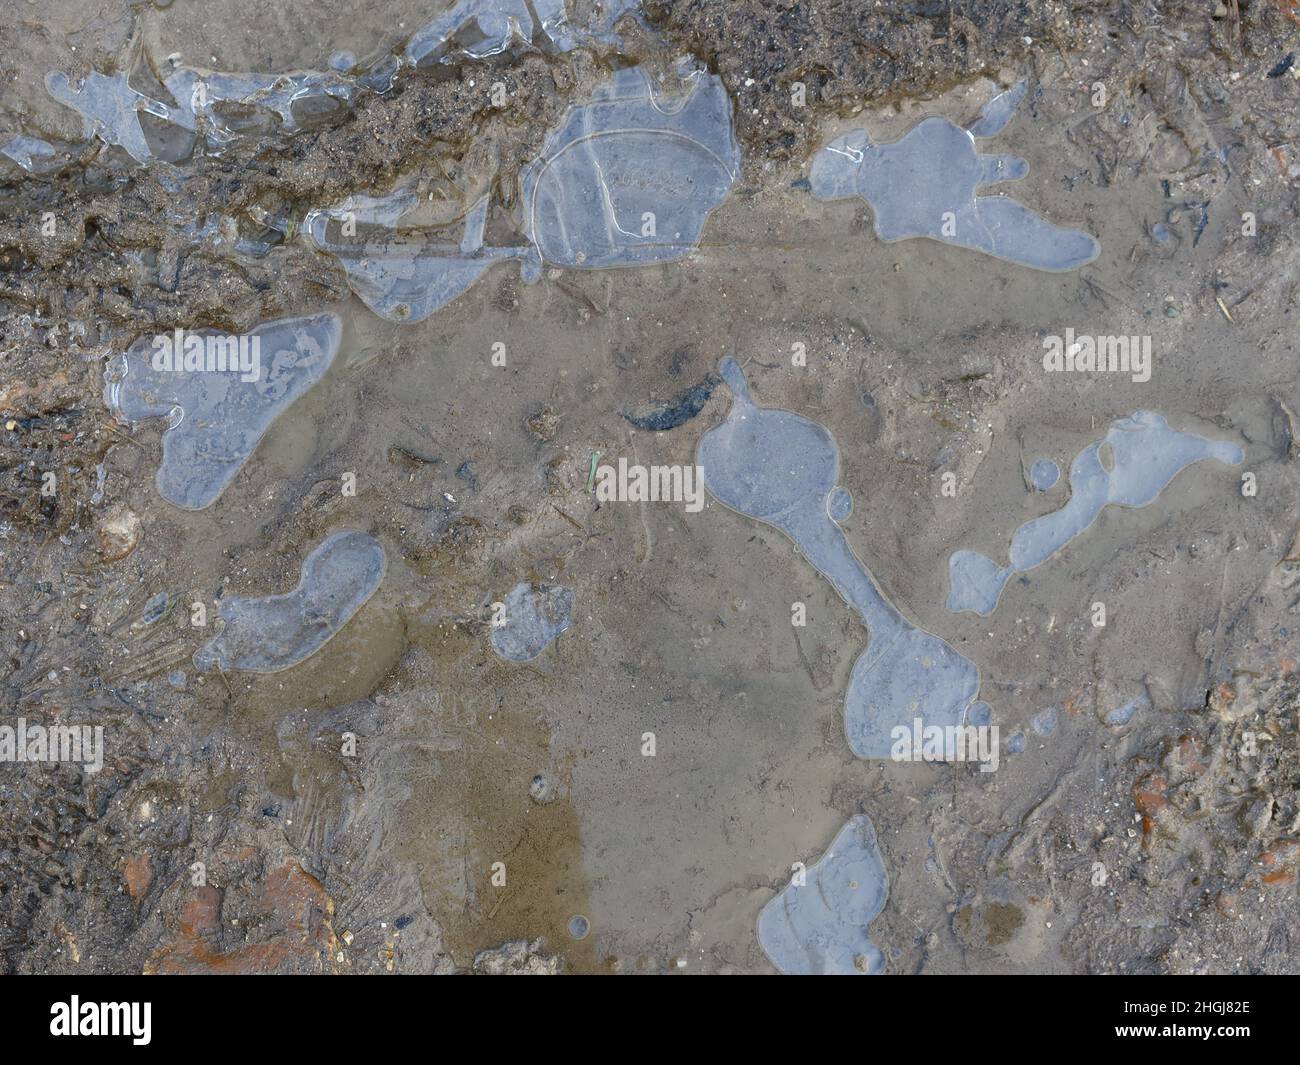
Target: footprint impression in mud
220	393
782	469
818	927
270	634
630	177
924	185
1145	455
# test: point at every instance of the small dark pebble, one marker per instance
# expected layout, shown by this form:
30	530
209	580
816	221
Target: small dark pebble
1283	66
681	408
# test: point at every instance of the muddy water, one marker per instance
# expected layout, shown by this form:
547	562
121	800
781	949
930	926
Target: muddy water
922	359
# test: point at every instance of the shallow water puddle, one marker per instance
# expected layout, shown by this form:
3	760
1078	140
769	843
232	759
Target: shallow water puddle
924	185
782	469
819	927
266	635
532	619
630	177
1146	456
220	394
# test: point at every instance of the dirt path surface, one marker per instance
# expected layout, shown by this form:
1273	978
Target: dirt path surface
409	799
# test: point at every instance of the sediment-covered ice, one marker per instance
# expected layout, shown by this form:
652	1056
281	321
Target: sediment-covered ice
1145	456
820	927
531	621
924	185
630	177
783	469
266	635
217	416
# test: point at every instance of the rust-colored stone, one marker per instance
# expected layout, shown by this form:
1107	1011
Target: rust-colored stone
1187	756
1281	864
45	394
138	873
1149	793
297	934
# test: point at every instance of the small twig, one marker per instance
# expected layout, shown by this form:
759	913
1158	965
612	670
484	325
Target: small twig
567	518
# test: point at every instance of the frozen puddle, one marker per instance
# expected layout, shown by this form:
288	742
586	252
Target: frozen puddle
1122	715
36	155
531	621
819	928
480	29
221	103
782	469
1145	455
217	416
630	177
217	106
111	109
924	185
279	631
1044	474
403	274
